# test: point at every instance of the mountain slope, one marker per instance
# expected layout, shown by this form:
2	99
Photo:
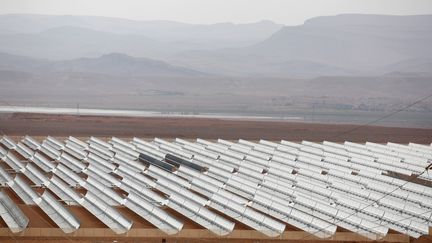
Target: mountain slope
350	44
202	36
73	42
159	29
416	65
121	64
19	63
353	42
116	64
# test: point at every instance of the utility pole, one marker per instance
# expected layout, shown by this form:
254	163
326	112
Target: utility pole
313	112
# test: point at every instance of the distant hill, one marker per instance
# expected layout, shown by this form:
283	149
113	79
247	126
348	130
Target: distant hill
359	41
158	30
69	42
65	37
416	65
121	64
19	63
342	45
112	64
352	43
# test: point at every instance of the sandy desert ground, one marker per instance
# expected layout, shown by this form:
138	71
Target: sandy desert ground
65	125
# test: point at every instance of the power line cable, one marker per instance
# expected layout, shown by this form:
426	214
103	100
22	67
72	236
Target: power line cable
381	118
367	124
406	218
372	203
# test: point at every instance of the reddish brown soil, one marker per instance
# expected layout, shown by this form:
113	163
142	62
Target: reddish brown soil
64	125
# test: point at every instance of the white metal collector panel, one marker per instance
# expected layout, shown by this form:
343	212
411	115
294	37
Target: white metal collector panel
32	143
102	176
4	176
71	162
43	162
8	142
35	175
23	190
24	150
106	214
58	213
153	214
103	192
100	143
78	143
201	215
312	186
131	185
54	143
102	164
13	162
75	151
12	214
50	151
68	176
122	143
3	152
63	191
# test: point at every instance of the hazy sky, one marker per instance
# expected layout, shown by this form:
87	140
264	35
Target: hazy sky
289	12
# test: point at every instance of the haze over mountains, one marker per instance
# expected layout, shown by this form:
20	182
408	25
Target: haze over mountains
345	62
335	45
67	37
116	64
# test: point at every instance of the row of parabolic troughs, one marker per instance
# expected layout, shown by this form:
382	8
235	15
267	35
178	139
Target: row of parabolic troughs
265	185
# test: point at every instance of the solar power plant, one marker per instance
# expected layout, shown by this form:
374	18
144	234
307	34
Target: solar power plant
71	188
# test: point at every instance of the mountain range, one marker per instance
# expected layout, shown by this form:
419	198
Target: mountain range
161	30
342	45
115	64
68	37
334	45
